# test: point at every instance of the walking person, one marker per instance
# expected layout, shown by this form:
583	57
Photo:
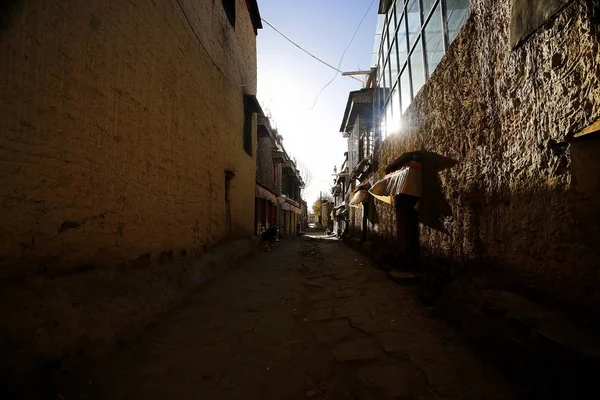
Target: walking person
268	237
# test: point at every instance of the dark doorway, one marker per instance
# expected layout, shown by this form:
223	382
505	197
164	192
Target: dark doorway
228	177
407	230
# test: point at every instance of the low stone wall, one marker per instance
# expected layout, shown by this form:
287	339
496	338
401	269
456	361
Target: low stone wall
53	326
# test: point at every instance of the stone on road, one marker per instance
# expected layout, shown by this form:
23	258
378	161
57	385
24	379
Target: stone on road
311	319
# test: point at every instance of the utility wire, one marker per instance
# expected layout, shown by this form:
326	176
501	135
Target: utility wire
343	54
304	50
207	53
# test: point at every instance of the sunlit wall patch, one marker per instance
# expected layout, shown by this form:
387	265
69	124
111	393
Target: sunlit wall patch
527	16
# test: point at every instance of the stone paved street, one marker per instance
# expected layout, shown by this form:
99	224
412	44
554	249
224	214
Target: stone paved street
310	320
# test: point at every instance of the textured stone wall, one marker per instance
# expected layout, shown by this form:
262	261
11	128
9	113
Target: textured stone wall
524	196
528	15
117	129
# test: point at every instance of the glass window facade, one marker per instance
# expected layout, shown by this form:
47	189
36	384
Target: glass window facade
416	35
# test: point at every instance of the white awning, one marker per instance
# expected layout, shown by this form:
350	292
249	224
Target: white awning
359	197
406	180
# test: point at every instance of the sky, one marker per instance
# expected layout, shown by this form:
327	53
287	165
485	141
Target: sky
289	80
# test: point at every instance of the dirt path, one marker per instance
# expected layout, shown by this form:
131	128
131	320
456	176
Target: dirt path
310	320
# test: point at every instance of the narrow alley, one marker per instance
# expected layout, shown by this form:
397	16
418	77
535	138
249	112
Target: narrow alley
427	173
312	319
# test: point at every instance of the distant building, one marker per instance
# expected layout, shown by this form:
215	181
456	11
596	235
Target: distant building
359	128
269	162
304	214
339	193
292	184
278	183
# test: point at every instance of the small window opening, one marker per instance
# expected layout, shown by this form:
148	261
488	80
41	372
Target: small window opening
228	177
248	114
229	7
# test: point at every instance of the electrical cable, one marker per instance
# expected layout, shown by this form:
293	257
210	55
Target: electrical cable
208	54
304	50
343	54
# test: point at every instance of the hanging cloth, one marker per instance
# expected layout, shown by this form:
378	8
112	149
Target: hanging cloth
406	180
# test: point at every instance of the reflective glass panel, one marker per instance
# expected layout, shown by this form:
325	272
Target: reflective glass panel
394	126
457	12
388	118
391	28
386	43
413	19
385	82
382	124
427	6
405	89
402	47
434	40
394	62
417	68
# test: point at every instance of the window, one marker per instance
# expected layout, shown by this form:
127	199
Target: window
457	12
366	146
405	89
434	40
395	101
229	7
394	62
416	35
417	69
249	109
275	174
414	20
402	49
228	177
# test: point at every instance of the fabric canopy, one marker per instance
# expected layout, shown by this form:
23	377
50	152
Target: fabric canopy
359	197
406	180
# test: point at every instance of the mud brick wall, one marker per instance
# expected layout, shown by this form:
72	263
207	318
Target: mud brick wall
525	195
117	129
116	133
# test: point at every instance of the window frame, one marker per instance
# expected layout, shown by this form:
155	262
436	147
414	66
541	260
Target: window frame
395	15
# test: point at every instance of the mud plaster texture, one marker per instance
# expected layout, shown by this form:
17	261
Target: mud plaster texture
116	133
524	196
117	130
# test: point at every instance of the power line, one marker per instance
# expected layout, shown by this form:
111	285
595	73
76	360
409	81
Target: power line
207	53
304	50
343	54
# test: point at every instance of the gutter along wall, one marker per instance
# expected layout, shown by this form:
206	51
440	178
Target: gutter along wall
524	196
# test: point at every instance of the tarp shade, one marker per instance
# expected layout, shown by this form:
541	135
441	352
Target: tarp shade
406	180
359	197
